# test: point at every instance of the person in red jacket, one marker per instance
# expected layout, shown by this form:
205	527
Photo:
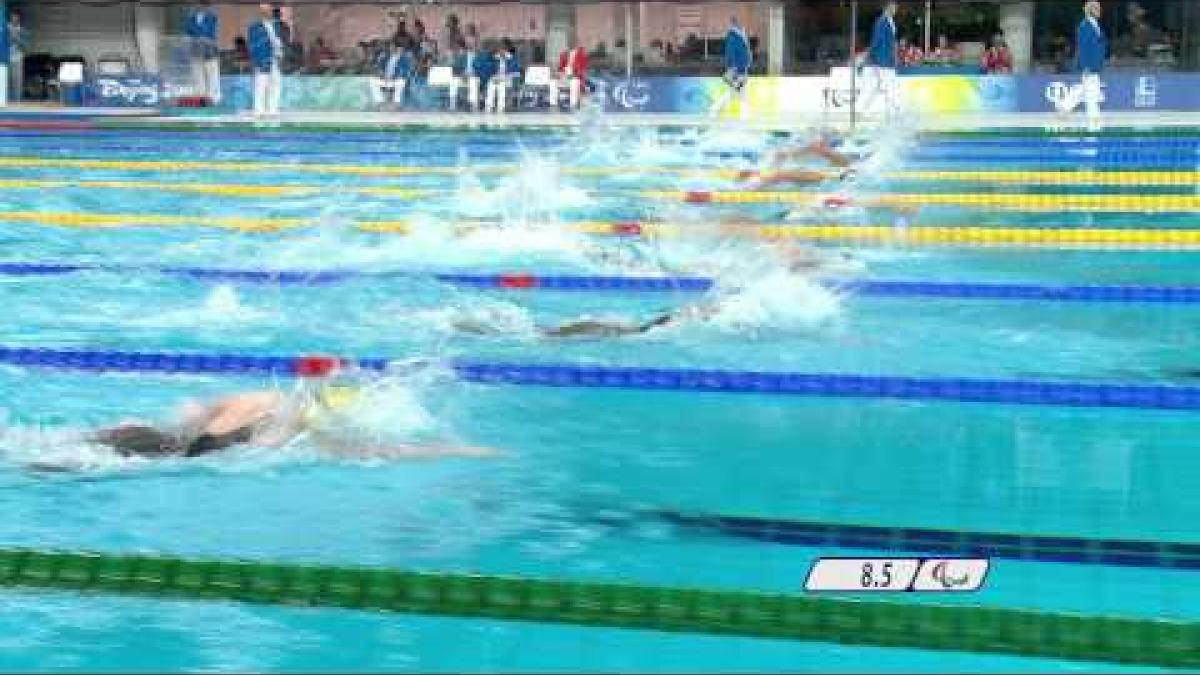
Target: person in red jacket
572	73
997	59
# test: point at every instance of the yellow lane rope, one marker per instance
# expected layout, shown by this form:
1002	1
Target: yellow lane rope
915	235
1130	203
1083	177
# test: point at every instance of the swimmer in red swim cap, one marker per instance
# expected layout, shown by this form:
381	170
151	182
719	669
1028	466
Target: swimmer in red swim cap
261	418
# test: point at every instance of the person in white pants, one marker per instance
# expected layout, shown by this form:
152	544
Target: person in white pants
266	55
466	64
15	79
1091	52
202	29
879	76
572	71
505	67
395	69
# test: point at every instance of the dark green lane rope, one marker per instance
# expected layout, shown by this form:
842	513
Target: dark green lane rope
892	624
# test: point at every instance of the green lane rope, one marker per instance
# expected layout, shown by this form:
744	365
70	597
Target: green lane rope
889	624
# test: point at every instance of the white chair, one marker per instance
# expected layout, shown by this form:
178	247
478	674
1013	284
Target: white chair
536	79
442	77
70	78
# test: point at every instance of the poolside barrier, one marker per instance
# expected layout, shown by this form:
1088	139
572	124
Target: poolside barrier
723	612
967	390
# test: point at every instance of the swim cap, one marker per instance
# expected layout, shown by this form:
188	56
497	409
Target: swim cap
336	397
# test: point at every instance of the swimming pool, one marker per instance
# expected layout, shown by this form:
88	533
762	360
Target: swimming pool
594	484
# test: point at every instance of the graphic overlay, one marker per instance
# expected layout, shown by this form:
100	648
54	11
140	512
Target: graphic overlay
874	575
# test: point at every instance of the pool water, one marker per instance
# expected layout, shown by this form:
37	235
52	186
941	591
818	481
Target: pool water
581	473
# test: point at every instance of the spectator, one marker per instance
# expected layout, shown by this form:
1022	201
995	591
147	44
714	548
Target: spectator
422	42
206	64
946	53
321	57
241	54
266	56
285	37
395	67
1141	33
997	60
471	38
737	60
909	53
572	72
1091	53
452	35
17	39
401	33
504	67
882	57
470	70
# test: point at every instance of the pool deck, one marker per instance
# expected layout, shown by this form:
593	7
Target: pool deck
34	116
376	120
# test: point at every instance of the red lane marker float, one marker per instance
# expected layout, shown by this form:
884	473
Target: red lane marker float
516	281
627	229
837	202
698	197
316	365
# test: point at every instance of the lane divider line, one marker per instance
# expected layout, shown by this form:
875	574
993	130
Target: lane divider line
824	385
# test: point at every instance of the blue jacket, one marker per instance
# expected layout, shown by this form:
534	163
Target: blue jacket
202	26
477	65
737	51
1091	47
399	68
5	39
262	52
490	66
883	43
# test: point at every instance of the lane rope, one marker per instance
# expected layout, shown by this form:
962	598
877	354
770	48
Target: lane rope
953	235
723	612
525	281
827	385
1030	547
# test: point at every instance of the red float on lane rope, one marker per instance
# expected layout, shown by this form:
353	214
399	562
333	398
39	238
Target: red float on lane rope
697	197
316	365
516	281
630	229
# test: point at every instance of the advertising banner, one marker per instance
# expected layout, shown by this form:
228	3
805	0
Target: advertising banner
1120	92
124	91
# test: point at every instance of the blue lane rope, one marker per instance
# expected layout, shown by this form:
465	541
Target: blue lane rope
1029	547
932	289
1017	392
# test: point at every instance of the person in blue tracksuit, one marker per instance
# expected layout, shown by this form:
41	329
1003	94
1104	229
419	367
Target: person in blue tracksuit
202	28
265	38
881	59
1091	52
501	70
469	69
737	61
393	69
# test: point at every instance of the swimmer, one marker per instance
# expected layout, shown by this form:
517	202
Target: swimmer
820	148
597	328
264	419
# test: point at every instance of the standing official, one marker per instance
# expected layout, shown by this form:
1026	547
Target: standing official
206	61
266	57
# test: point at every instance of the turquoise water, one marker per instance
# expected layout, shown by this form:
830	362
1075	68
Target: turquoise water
579	469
